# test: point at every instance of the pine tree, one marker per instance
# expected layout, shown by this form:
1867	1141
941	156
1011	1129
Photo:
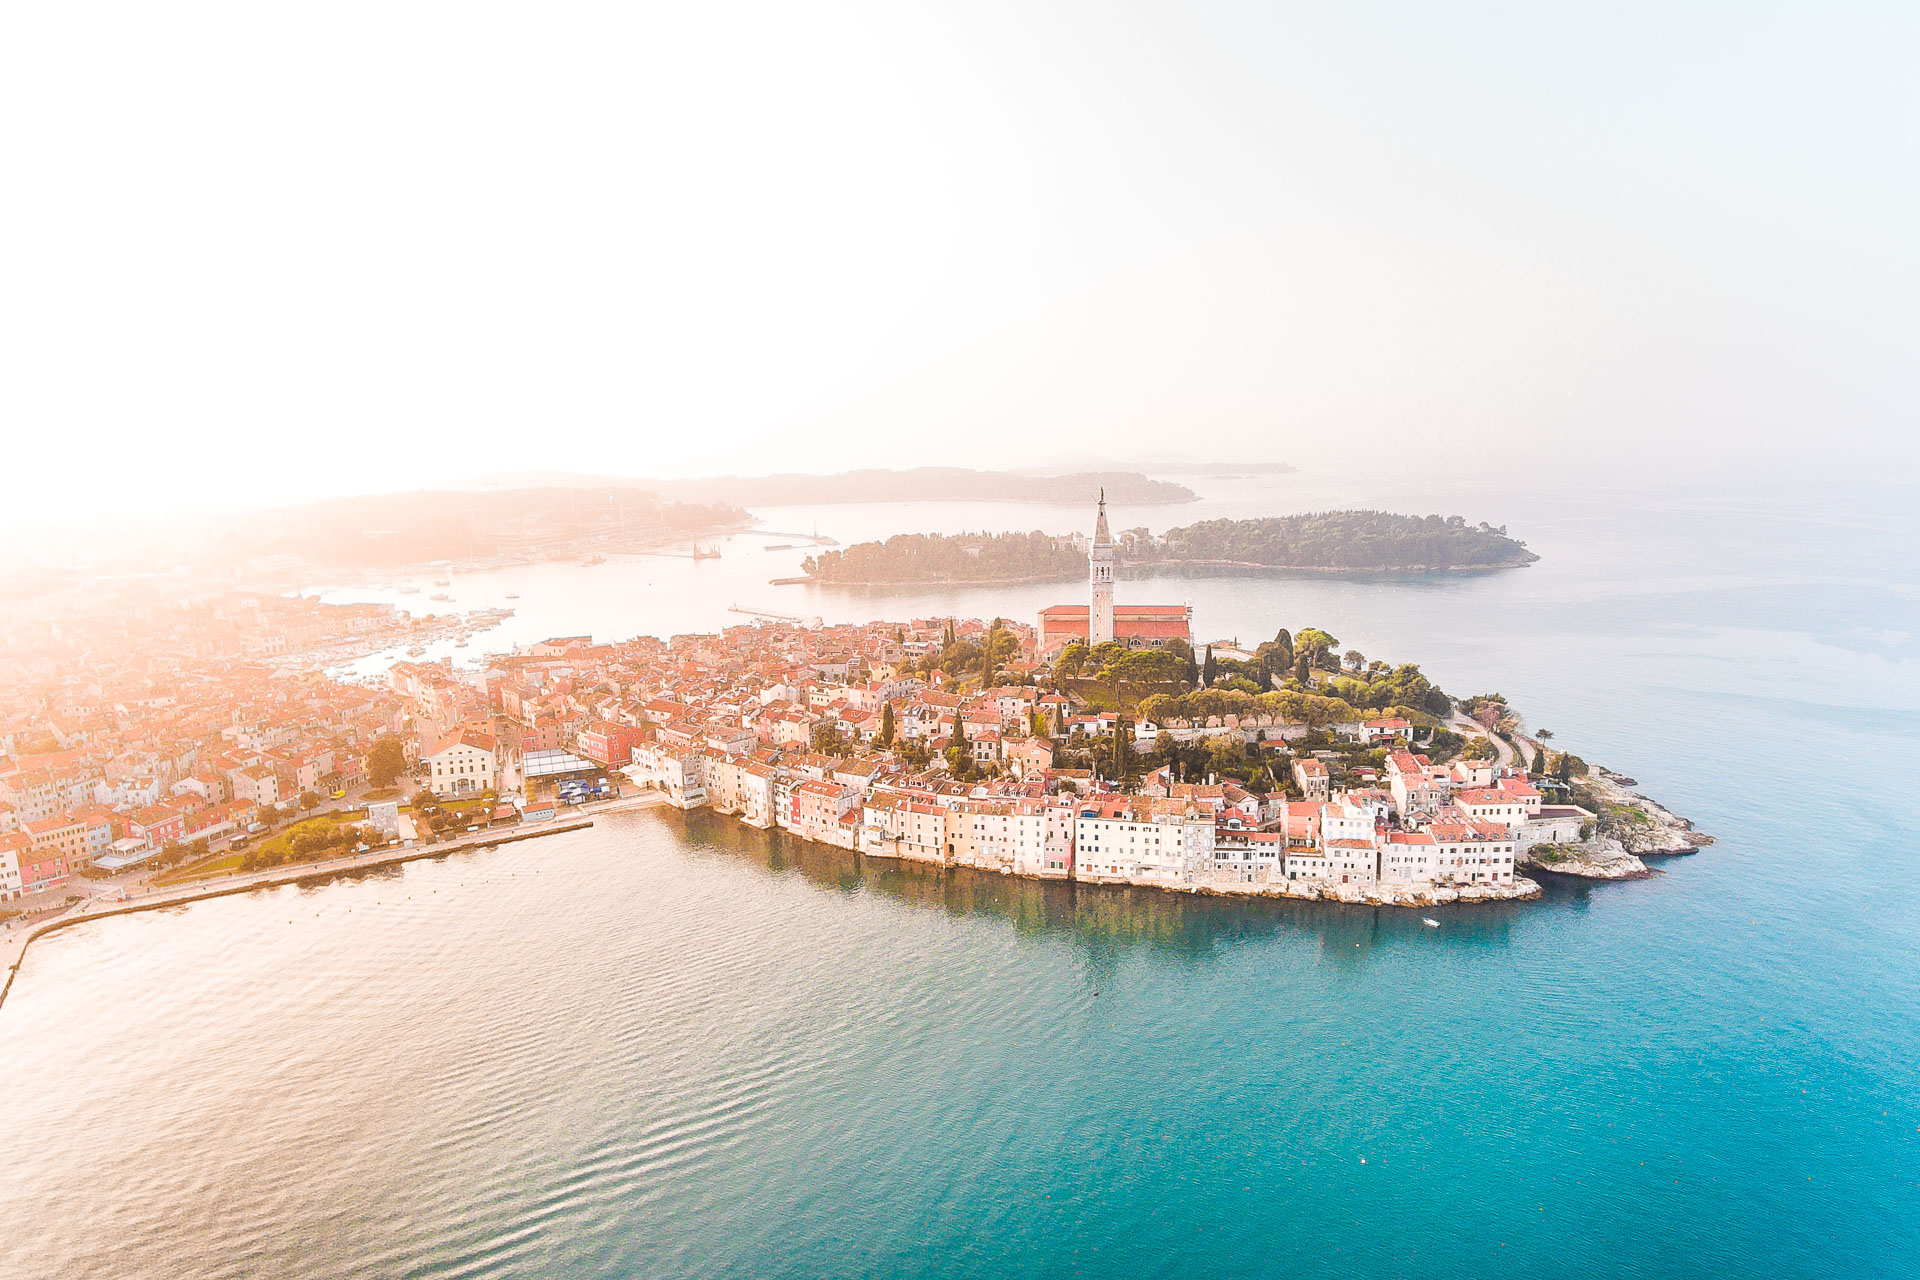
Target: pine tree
1122	750
886	725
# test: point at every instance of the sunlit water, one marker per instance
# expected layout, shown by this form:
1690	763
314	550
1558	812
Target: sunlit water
671	1047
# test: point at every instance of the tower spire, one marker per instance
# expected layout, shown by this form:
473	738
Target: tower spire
1100	565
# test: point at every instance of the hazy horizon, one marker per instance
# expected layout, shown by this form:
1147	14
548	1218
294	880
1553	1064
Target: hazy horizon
290	255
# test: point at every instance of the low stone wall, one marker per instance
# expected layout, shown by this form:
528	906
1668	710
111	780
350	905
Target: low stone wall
273	879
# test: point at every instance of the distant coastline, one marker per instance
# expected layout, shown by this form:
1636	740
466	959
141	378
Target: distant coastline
873	484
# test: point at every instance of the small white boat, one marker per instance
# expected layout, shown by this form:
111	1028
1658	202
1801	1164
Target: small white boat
513	595
1430	922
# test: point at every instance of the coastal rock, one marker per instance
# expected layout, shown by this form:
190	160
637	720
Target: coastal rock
1640	826
1601	858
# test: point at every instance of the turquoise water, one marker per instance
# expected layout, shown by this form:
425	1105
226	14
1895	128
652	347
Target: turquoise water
671	1047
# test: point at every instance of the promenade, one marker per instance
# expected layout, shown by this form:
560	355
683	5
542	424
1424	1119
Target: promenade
111	901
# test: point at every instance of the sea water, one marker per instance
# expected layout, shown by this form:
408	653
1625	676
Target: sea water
670	1046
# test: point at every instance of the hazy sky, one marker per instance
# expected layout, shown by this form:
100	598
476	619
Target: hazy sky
254	249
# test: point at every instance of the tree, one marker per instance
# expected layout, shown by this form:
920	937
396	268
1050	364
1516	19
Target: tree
959	755
886	725
1208	668
424	799
1124	764
1301	671
1190	670
1356	659
386	762
1158	709
1317	644
309	801
1489	709
1480	749
1224	755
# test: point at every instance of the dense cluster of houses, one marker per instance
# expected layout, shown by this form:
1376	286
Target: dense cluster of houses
113	747
134	721
728	722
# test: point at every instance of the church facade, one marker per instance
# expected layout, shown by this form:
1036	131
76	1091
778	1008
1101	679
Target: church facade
1138	626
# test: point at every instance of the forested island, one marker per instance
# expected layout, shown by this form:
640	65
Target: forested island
1317	542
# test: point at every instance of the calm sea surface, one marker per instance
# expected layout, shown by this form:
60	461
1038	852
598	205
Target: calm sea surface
671	1047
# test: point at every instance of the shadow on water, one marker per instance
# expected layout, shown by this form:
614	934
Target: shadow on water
1103	919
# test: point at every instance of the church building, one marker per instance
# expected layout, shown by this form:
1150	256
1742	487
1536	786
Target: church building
1138	626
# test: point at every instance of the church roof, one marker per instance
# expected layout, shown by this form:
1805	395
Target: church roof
1134	611
1145	621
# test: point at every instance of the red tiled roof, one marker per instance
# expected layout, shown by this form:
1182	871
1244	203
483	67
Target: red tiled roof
1120	611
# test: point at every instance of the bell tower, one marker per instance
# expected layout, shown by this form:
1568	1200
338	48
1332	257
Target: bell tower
1100	566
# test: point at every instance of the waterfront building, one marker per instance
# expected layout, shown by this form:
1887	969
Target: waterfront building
12	844
463	764
1140	840
1470	851
675	768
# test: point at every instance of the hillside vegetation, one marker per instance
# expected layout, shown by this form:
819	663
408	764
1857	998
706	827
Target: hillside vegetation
1325	541
1360	540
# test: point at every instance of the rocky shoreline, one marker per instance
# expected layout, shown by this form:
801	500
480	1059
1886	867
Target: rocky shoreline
1375	895
1635	827
1521	890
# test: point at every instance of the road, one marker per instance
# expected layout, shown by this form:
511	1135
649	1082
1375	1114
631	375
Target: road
1474	729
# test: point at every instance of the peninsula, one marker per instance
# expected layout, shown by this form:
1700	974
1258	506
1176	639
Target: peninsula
190	739
1331	542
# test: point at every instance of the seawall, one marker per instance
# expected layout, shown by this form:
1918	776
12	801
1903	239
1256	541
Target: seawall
267	880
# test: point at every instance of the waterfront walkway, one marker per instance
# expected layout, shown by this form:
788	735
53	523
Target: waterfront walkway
113	900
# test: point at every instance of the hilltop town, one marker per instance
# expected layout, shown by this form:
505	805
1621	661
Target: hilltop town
198	737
